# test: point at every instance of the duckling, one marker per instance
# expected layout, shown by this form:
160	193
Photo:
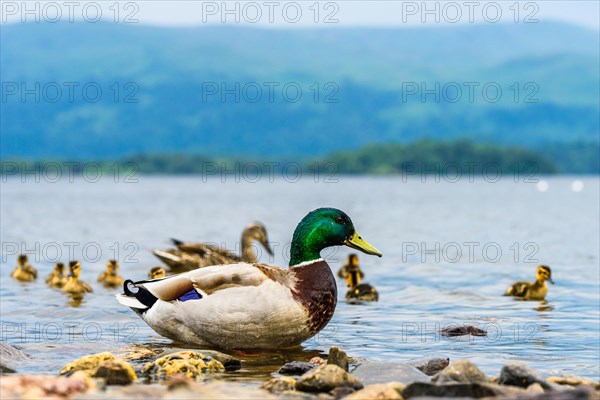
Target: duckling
24	271
74	285
532	291
157	273
57	277
351	262
111	278
359	291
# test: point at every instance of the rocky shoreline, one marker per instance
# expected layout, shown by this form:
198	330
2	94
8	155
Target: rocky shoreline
139	372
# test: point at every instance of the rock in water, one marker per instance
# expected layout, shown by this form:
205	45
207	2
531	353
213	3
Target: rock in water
117	372
432	366
87	363
463	330
372	372
461	371
327	378
296	368
447	390
338	357
102	365
379	391
188	363
521	376
44	386
279	384
10	357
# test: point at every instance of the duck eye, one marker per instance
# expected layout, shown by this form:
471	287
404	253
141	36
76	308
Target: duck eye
339	220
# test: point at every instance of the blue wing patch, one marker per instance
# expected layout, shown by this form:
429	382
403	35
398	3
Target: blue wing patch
191	295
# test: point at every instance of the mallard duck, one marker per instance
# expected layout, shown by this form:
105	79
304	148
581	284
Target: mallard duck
532	291
359	291
111	278
188	256
251	306
24	271
57	277
351	262
74	285
157	273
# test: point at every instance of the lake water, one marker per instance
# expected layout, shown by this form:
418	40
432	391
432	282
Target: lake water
450	250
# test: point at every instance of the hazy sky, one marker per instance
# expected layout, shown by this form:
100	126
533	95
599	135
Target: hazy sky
287	14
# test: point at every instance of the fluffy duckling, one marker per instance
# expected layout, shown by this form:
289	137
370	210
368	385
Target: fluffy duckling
359	291
24	271
157	273
111	278
532	291
74	285
351	263
57	277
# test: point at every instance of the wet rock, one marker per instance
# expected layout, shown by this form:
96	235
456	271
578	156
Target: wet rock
116	372
379	391
189	363
279	384
536	388
217	390
521	376
475	390
341	392
10	357
104	366
230	363
317	361
87	363
296	368
44	386
580	393
430	366
372	372
461	371
327	378
130	392
138	352
572	380
338	357
463	330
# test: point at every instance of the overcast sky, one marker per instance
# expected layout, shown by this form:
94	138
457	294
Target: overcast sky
289	14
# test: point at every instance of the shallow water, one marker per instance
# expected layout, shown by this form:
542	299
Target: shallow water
421	289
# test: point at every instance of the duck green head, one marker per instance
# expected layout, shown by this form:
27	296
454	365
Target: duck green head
325	227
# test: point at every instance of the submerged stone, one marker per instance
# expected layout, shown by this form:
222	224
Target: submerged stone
520	375
430	366
44	386
87	363
279	384
461	371
188	363
372	372
296	368
379	391
338	357
475	390
327	378
10	357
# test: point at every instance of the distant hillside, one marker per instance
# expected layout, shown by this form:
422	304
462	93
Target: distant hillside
373	73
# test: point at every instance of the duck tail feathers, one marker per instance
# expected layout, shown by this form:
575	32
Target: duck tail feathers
176	242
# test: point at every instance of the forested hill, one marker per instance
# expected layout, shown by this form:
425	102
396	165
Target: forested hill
233	91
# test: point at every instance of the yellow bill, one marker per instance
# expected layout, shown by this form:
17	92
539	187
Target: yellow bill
356	242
